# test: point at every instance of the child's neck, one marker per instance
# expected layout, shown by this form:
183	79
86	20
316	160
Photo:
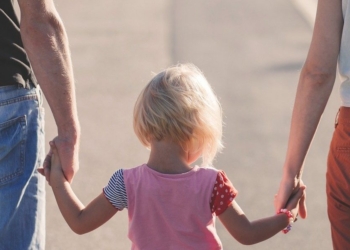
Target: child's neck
168	158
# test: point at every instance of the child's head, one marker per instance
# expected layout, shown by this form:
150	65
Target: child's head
178	104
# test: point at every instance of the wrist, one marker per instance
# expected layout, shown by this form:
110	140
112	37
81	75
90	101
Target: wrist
71	136
291	178
69	128
58	181
290	218
59	186
292	170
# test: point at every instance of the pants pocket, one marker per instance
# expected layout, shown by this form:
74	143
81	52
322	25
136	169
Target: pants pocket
12	149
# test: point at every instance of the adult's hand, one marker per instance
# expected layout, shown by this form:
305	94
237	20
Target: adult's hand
68	151
288	187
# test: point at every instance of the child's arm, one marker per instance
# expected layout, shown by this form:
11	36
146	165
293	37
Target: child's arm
80	219
249	233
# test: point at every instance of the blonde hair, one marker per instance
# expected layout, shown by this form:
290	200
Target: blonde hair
179	104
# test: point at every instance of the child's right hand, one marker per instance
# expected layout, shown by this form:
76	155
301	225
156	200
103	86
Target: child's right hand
293	202
53	172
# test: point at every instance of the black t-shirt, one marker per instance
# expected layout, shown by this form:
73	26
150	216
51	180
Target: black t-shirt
14	64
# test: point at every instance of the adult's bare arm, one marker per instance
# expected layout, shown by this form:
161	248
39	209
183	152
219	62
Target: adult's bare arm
45	41
315	85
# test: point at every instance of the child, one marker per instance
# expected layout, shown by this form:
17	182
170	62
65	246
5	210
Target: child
172	204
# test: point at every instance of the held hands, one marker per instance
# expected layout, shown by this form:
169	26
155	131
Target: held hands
292	208
68	152
286	196
53	170
295	200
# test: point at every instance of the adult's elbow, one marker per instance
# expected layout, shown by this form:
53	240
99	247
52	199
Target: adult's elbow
41	25
317	77
43	32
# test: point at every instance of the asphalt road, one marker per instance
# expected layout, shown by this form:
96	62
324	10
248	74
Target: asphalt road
250	51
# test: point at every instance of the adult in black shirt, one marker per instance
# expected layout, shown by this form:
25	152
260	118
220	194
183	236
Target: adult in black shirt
36	45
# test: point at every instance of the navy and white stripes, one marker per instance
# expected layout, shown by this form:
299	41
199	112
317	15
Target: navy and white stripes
115	191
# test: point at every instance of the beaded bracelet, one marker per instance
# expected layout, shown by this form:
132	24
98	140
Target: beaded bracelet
290	217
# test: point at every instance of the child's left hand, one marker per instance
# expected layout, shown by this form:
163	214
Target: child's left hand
294	200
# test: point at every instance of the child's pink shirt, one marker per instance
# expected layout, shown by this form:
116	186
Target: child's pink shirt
171	211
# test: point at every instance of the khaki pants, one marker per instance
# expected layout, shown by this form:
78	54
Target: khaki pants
338	181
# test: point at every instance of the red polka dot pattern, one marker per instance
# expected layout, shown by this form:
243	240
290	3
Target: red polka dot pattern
223	194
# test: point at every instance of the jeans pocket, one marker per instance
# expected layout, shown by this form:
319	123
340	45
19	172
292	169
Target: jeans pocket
12	149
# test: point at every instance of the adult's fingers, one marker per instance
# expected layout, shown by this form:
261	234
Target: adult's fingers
295	198
281	200
284	193
53	147
302	206
68	157
47	161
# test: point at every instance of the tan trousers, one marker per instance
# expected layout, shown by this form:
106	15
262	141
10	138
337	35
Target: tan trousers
338	181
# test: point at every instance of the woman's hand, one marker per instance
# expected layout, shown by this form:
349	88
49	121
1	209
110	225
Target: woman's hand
287	189
293	203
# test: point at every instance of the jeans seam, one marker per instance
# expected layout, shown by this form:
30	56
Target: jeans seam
19	99
13	121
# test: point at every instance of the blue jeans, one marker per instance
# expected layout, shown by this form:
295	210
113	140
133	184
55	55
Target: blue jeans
22	189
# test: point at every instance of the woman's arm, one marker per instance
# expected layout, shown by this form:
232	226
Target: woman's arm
45	41
314	88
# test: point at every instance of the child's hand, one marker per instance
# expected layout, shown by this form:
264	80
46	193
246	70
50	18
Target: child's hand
287	188
293	202
53	170
56	172
45	169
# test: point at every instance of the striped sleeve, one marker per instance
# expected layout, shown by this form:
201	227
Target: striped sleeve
115	191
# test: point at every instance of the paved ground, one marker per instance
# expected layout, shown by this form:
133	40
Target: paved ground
250	51
307	8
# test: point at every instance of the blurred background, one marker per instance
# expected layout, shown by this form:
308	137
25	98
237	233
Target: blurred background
250	51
